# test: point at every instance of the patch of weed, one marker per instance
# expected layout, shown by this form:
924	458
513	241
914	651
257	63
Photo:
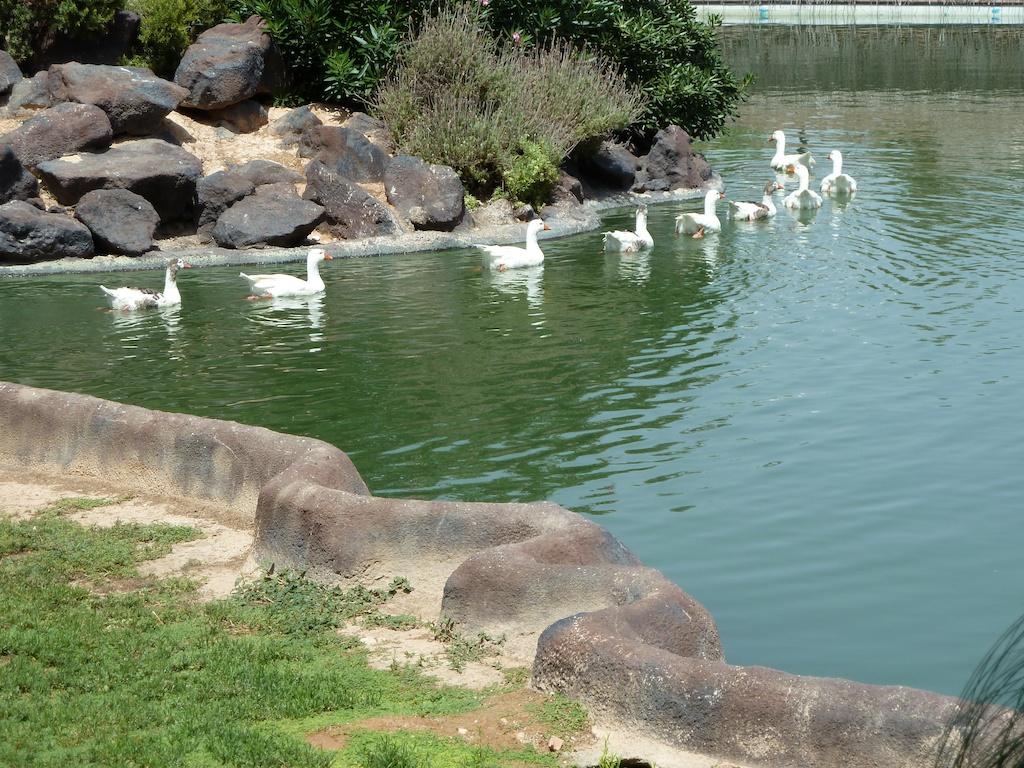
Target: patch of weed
461	650
385	751
560	714
608	759
419	749
515	677
400	622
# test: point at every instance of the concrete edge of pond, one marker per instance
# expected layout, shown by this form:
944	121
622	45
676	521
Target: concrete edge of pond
639	652
564	221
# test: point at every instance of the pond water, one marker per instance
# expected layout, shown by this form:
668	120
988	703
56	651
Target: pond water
811	424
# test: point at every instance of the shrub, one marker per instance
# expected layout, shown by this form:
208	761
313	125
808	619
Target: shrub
335	49
168	27
501	118
659	45
25	24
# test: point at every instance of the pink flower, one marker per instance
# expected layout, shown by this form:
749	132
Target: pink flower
517	38
485	3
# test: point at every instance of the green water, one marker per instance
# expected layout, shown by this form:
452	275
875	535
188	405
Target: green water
812	425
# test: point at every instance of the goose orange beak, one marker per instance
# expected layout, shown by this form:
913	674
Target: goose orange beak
547	228
186	265
328	257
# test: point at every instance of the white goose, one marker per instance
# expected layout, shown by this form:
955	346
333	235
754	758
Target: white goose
630	242
271	286
138	298
780	160
754	211
804	197
697	224
502	257
838	182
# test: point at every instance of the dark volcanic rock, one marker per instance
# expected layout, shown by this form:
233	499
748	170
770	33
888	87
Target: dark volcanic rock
273	215
120	221
293	125
9	72
135	99
163	173
261	172
216	193
346	151
352	212
28	234
568	191
611	165
107	47
16	183
430	196
227	64
61	130
29	94
244	117
672	163
375	130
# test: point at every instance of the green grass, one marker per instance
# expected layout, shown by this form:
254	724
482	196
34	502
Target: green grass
418	749
98	677
561	715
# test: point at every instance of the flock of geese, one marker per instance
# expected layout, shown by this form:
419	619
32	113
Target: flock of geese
502	257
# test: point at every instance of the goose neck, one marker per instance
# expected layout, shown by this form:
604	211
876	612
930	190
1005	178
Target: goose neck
313	278
837	165
170	287
709	203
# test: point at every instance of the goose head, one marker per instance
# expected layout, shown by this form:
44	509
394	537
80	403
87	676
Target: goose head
535	226
173	265
778	137
835	156
772	187
316	255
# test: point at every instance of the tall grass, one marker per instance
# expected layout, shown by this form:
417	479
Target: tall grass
503	118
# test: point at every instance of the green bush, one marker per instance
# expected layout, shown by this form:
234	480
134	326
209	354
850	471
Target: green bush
25	24
336	50
659	45
504	119
168	27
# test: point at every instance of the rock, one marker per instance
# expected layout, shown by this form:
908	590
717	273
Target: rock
61	130
555	744
292	126
216	193
261	172
135	100
430	196
672	163
375	130
10	74
29	94
352	212
496	213
16	183
120	221
273	215
568	191
525	212
244	117
108	47
610	165
346	151
462	731
227	64
28	234
163	173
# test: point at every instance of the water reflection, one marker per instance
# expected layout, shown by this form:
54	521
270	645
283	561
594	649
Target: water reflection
632	267
516	283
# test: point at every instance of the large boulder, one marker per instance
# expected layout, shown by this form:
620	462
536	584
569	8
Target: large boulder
672	163
215	194
9	73
351	211
61	130
135	100
610	165
29	94
120	221
28	234
16	183
291	126
227	64
108	47
163	173
346	151
429	196
261	172
273	215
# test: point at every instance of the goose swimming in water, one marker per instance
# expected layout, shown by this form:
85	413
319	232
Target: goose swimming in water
804	197
780	160
697	224
128	299
271	286
838	182
502	257
754	211
630	242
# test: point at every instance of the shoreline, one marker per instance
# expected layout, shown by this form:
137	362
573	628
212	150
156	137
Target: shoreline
564	222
